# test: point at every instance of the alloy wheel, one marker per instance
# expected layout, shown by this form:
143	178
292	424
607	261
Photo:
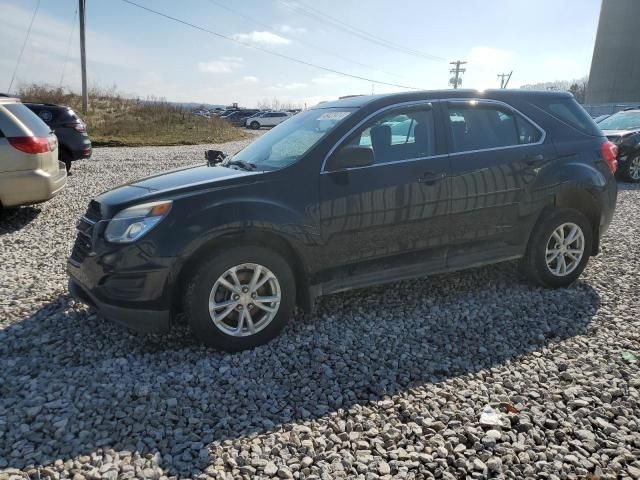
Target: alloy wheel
565	249
244	300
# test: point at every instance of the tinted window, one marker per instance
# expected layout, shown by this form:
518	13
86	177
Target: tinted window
527	132
400	135
570	112
29	119
477	126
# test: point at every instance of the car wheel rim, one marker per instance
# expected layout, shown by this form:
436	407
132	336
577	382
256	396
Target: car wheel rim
634	168
565	249
244	300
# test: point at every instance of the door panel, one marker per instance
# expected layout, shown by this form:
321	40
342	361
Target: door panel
490	186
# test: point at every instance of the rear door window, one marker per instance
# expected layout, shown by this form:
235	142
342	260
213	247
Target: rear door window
481	126
29	119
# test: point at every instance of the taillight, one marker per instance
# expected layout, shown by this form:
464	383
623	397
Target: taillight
77	126
30	144
610	154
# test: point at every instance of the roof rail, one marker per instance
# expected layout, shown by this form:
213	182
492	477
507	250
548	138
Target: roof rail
631	108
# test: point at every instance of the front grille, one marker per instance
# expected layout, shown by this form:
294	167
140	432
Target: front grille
83	244
93	212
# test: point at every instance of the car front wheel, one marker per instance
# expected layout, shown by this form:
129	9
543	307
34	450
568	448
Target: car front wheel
240	299
255	125
559	248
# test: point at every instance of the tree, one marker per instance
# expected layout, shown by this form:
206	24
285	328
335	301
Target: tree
577	87
277	104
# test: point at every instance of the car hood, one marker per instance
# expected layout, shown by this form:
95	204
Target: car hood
619	133
172	182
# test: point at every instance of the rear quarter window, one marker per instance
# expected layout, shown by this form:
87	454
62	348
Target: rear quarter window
568	111
28	119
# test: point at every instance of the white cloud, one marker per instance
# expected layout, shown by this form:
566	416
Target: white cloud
290	29
489	57
288	86
329	79
250	78
266	38
224	65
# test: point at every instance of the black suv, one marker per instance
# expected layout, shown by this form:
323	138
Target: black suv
68	127
623	129
348	194
238	117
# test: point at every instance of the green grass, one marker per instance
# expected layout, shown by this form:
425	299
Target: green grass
114	120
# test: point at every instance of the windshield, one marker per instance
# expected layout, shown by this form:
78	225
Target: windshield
621	121
289	141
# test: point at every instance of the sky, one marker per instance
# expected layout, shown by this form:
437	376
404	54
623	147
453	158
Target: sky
146	55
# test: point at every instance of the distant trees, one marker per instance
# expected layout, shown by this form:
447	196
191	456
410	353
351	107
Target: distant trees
577	87
277	104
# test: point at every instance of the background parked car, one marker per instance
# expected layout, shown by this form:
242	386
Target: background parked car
29	168
623	129
68	127
238	117
267	119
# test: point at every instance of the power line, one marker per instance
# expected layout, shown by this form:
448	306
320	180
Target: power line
26	39
303	42
66	58
358	32
264	50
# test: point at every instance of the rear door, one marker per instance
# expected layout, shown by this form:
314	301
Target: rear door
495	155
392	215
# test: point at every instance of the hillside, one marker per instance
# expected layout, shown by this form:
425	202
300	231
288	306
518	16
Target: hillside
114	120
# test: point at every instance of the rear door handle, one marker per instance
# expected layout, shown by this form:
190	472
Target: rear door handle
430	178
534	160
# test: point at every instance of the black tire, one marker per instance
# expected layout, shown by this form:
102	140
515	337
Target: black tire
626	172
534	264
196	297
65	157
255	125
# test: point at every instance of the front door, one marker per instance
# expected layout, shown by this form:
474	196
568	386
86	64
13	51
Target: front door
387	218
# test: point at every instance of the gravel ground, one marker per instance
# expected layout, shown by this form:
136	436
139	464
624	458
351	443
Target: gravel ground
474	374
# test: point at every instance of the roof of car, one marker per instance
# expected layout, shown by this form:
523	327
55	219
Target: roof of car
4	98
362	100
47	105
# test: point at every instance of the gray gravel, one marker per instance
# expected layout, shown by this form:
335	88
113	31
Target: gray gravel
475	374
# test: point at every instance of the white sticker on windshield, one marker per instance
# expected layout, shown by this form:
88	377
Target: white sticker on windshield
333	115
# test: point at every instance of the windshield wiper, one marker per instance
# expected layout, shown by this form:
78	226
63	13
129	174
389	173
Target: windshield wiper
240	163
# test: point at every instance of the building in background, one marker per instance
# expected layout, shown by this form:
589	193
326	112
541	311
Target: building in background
615	66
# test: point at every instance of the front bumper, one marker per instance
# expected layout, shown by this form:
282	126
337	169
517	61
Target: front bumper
140	320
126	283
31	186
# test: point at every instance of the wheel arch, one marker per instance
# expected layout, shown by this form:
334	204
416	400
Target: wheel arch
256	237
585	202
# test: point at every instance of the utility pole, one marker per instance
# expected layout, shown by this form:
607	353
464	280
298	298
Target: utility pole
503	82
83	58
456	80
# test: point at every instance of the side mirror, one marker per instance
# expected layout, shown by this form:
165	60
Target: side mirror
213	156
350	157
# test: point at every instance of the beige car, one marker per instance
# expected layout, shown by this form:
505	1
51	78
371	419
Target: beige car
29	168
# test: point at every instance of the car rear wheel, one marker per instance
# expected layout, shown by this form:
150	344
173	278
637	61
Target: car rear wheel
240	299
255	125
631	170
559	248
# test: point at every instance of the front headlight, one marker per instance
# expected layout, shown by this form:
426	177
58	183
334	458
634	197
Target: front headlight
132	223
